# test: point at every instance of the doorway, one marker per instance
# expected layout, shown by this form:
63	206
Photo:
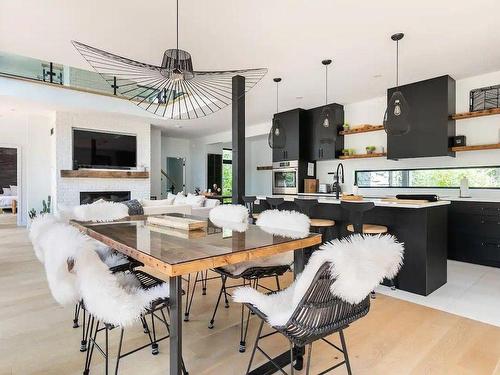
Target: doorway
9	189
174	176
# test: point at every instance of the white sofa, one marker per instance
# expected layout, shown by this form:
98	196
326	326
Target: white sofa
196	205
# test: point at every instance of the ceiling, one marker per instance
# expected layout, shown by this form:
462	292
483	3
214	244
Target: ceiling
289	37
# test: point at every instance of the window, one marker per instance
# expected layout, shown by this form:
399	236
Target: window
479	178
227	173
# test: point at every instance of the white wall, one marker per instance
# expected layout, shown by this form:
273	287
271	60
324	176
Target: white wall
155	173
483	130
30	133
258	154
68	189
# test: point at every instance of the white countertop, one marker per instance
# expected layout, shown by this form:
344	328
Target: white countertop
330	198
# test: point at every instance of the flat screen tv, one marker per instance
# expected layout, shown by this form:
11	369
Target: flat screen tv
92	149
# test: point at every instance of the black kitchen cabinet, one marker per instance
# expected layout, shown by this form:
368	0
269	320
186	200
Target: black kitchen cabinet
294	123
431	102
474	232
321	144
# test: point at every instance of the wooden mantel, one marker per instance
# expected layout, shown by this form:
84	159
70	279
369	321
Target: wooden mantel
89	173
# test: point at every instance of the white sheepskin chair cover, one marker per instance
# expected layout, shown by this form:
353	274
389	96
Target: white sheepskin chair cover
284	223
38	228
106	297
62	244
358	265
230	216
100	211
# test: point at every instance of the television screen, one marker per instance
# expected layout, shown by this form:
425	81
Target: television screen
93	149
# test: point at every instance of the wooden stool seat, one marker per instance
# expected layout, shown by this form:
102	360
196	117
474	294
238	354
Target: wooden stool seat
370	228
321	223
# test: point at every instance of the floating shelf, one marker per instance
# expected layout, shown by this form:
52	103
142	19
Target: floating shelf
364	156
362	129
486	112
88	173
265	168
493	146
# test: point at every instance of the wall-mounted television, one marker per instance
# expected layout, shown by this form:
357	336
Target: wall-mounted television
94	149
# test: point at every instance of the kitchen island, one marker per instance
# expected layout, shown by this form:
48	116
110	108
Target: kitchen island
422	227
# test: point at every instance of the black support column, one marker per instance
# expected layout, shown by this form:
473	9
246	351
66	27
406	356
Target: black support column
238	139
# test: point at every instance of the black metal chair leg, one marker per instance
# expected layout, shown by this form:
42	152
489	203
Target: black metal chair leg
226	300
189	299
154	345
278	283
83	343
204	283
223	287
119	352
344	349
292	369
255	346
89	344
77	315
243	329
106	350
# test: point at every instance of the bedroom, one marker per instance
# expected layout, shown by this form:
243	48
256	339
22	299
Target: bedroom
8	181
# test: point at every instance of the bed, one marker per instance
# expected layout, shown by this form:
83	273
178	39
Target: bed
8	201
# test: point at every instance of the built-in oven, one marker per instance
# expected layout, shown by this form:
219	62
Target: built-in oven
285	177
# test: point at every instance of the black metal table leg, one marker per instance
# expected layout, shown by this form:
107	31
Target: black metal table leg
283	359
175	325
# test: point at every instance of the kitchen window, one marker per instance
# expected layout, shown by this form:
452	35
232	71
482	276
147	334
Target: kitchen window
479	178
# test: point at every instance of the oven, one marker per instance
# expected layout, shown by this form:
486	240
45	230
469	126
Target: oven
285	177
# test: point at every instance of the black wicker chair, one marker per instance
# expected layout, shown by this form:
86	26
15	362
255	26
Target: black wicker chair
251	277
318	315
274	203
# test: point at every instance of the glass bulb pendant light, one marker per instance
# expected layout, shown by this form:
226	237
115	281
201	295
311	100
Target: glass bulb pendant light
327	117
277	135
396	115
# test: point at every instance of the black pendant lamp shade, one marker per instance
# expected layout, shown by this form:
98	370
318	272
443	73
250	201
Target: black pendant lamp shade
327	116
277	135
396	115
172	89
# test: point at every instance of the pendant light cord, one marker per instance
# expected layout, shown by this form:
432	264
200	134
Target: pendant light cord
397	64
326	86
177	20
277	97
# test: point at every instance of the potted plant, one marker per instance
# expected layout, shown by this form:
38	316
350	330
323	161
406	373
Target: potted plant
346	126
345	152
370	149
351	151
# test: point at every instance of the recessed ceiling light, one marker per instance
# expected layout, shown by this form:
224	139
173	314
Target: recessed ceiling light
299	97
178	126
377	76
12	109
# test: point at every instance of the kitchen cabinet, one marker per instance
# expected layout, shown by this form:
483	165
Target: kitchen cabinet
321	144
474	232
294	123
431	102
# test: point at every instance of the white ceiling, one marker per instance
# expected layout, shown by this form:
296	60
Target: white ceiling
289	37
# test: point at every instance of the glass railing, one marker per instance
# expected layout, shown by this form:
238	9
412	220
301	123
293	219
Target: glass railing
16	66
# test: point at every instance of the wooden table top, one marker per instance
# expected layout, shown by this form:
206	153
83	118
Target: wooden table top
177	252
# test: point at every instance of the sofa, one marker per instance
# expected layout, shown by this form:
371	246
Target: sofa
196	205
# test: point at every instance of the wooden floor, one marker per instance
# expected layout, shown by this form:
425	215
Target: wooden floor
396	337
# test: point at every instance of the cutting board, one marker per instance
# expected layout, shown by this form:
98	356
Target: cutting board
183	223
405	201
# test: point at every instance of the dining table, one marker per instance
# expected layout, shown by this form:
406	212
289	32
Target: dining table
178	252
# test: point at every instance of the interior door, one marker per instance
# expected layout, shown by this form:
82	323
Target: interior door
175	172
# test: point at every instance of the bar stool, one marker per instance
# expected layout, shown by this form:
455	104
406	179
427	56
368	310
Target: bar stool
321	226
249	201
274	202
356	211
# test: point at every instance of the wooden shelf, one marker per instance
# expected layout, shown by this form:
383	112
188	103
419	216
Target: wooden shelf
364	156
88	173
362	129
486	112
493	146
265	168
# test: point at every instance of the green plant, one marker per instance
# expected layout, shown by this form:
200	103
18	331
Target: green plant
46	206
346	126
345	151
32	213
352	151
370	149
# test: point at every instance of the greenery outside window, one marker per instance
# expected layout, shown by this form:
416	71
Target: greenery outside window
479	178
227	173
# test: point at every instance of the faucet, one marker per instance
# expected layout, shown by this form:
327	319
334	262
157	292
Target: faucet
340	168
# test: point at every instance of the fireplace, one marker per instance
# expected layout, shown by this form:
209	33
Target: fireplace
87	197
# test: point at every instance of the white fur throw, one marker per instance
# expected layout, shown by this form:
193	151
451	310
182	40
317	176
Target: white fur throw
291	224
38	228
106	298
358	265
61	243
100	211
230	216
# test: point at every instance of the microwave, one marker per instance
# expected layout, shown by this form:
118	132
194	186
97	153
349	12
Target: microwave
285	177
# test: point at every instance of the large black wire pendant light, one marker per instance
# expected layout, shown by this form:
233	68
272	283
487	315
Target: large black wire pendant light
173	89
277	135
327	117
396	115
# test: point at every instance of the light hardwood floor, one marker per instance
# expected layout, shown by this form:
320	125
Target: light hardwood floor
396	337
